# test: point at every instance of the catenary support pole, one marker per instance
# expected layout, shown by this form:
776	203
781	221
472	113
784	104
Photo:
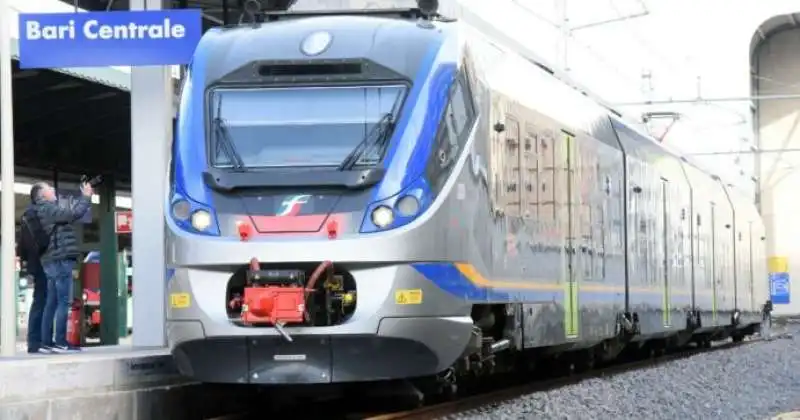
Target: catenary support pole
8	316
151	136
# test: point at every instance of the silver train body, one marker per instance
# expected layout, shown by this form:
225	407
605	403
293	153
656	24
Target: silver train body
544	222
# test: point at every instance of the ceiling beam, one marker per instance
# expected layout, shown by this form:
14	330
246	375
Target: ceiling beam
61	110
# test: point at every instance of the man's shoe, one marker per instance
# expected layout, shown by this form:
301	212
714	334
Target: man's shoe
66	349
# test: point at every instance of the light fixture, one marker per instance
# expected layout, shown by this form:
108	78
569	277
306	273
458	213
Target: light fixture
382	216
180	209
201	220
316	43
407	206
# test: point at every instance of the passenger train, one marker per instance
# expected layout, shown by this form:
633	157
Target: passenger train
390	194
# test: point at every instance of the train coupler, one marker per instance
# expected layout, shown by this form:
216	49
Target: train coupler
274	298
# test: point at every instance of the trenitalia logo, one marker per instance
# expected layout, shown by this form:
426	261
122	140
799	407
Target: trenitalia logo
291	205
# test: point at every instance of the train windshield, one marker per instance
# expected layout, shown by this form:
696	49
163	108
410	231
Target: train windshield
308	126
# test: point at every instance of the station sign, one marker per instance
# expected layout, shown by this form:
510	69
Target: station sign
100	39
780	291
123	221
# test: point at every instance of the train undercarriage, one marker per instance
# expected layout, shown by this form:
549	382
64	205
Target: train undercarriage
492	353
322	294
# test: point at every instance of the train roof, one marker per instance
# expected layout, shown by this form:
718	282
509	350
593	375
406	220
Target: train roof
394	38
616	115
372	34
666	149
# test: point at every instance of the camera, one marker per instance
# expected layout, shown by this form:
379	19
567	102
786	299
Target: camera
93	181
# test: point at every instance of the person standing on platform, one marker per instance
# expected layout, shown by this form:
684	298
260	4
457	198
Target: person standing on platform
31	244
59	260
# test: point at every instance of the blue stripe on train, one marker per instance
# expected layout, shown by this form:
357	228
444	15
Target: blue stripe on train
448	278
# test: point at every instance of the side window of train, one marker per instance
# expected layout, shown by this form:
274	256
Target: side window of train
453	131
462	108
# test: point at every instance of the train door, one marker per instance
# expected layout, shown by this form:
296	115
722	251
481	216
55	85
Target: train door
714	263
567	158
698	255
666	313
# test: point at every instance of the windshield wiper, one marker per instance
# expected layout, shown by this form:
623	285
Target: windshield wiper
381	133
224	140
377	137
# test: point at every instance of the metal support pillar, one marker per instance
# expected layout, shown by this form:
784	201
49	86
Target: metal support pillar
8	299
109	273
151	136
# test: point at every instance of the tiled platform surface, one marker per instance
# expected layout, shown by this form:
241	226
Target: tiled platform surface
116	382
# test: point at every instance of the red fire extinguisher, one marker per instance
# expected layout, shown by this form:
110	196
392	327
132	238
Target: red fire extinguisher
74	323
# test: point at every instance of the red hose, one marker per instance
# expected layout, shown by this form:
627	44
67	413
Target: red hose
312	281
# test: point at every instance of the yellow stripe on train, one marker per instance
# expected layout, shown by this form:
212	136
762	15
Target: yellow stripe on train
475	277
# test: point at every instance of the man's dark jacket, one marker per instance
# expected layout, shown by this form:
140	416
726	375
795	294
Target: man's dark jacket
59	221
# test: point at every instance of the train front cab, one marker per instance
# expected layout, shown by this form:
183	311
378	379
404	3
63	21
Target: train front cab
402	324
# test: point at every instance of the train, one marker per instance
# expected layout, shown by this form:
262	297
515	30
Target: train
396	195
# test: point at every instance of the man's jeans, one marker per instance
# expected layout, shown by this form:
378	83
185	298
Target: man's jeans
59	289
37	306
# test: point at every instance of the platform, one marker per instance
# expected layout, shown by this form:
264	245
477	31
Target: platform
108	382
115	382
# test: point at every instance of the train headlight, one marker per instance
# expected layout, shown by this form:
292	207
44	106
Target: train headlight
180	209
407	206
201	220
382	216
85	297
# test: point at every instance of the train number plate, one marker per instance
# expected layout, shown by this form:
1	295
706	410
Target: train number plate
408	297
180	300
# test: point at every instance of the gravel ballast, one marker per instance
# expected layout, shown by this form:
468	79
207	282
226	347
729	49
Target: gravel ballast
756	381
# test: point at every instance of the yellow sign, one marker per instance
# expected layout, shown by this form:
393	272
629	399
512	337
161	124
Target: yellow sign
180	300
778	264
408	297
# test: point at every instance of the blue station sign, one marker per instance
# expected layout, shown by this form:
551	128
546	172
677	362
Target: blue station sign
99	39
780	289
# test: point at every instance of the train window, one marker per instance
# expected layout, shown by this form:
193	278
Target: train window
457	111
511	188
453	131
461	109
301	126
530	169
466	89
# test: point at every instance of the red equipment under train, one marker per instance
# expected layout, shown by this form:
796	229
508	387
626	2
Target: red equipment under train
276	297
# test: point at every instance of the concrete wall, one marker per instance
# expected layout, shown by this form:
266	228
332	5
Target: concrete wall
777	65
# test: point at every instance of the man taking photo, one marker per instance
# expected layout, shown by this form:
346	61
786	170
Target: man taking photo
58	260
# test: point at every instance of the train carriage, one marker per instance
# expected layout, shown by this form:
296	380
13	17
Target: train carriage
360	196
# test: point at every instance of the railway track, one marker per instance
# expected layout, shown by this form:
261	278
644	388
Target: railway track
510	393
506	393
